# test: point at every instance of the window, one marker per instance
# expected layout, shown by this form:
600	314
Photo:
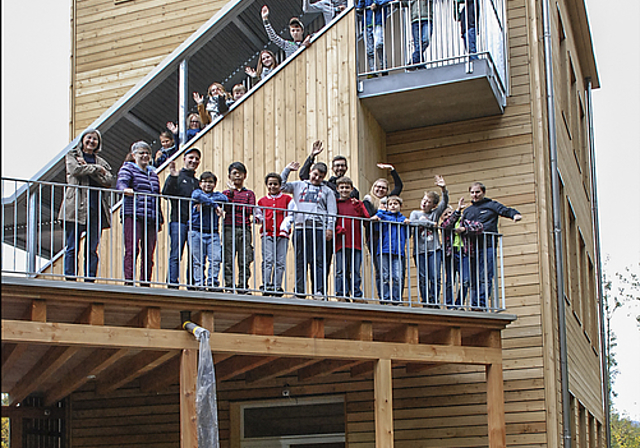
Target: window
572	262
293	423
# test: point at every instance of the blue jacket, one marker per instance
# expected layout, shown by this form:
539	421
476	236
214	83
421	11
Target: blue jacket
208	203
146	207
369	14
392	237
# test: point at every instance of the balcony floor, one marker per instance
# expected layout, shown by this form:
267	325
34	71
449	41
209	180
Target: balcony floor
407	100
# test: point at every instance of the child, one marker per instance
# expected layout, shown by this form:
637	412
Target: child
348	240
238	92
390	249
296	29
168	143
313	227
237	228
276	225
267	63
204	239
218	102
427	250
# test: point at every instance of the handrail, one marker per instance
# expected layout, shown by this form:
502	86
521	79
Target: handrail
377	251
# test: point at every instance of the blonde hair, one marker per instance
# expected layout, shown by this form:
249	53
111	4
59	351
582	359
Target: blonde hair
374	199
220	87
193	114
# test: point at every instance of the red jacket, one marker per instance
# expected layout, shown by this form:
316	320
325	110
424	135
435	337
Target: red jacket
349	231
268	225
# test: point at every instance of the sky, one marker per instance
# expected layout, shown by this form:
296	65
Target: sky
35	104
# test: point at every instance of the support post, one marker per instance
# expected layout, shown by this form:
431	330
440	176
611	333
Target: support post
383	403
495	407
188	418
32	233
183	99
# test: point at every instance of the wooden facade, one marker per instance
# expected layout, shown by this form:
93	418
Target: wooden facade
315	97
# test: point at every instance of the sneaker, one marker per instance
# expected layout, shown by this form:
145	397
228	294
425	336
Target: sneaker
372	75
279	292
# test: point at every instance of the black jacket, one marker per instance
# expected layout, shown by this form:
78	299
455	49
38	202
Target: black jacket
487	212
331	183
181	185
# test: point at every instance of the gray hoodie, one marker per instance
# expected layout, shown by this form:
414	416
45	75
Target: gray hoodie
311	198
426	235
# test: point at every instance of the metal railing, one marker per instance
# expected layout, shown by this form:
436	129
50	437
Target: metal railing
425	34
363	261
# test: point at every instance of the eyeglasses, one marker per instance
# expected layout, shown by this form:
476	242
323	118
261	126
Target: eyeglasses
194	121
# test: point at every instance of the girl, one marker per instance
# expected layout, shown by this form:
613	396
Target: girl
168	142
218	103
267	63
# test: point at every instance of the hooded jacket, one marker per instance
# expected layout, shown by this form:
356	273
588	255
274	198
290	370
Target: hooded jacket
147	207
74	207
392	233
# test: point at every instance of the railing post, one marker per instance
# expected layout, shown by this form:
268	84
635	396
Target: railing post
31	234
183	99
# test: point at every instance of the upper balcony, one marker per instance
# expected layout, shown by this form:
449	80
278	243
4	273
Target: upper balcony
460	74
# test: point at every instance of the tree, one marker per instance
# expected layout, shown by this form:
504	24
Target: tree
5	423
624	432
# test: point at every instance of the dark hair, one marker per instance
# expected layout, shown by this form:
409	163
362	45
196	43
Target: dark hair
273	176
167	134
398	199
321	167
209	175
238	166
478	184
338	157
344	180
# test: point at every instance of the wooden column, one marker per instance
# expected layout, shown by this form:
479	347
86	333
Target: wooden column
383	403
495	407
188	380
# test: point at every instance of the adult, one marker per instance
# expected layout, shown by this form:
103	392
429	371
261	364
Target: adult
328	8
482	266
373	202
194	126
180	184
85	210
140	211
339	167
467	18
421	29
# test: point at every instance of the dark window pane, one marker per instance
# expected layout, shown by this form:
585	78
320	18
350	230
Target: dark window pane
323	418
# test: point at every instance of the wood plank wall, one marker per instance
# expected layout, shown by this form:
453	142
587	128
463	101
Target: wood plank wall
116	43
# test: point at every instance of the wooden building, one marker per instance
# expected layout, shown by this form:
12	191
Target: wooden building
104	364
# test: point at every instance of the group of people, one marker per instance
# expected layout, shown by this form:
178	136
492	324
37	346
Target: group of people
324	218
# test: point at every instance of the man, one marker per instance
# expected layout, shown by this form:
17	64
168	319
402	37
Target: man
328	8
338	166
180	184
486	212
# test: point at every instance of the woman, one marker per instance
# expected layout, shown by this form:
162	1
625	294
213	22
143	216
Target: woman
85	210
194	125
267	63
374	201
140	183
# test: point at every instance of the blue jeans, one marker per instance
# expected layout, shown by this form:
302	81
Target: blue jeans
375	47
456	265
468	28
481	275
348	263
429	278
178	235
92	239
205	246
310	246
391	277
421	31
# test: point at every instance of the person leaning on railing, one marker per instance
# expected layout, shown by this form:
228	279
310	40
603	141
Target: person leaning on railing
85	210
140	211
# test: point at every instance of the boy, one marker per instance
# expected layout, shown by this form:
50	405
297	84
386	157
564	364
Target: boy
348	240
275	234
296	29
427	251
390	249
237	228
204	239
316	205
238	91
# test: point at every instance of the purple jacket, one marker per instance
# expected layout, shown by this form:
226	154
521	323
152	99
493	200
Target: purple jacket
146	207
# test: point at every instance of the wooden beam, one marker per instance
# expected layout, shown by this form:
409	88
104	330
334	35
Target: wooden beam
149	339
490	338
129	371
204	319
91	367
164	376
449	336
412	368
39	412
383	403
11	353
188	417
52	360
238	365
312	328
148	317
16	432
362	331
37	311
495	406
254	324
402	333
93	315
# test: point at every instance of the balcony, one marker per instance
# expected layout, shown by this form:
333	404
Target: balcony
450	81
33	251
